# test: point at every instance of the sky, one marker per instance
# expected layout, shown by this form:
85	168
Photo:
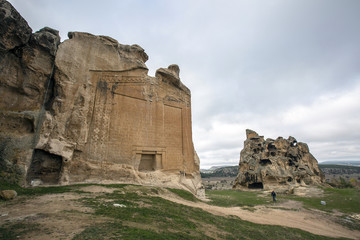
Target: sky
278	67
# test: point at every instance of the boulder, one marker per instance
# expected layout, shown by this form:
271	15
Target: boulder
8	194
279	164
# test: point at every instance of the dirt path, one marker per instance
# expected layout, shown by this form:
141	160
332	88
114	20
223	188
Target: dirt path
311	221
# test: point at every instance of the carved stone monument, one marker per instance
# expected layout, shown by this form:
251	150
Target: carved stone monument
98	117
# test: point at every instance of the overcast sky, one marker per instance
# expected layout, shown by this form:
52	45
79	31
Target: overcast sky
279	67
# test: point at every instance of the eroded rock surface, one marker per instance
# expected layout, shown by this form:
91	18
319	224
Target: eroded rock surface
85	110
279	164
26	67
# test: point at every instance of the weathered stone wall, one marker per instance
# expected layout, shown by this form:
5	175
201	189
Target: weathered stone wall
99	112
280	164
26	66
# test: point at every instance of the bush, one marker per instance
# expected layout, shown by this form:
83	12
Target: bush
341	183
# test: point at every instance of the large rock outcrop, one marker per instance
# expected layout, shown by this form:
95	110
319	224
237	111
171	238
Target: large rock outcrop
92	114
26	67
279	164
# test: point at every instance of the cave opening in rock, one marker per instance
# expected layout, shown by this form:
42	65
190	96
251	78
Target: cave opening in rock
264	162
147	162
271	147
256	185
45	167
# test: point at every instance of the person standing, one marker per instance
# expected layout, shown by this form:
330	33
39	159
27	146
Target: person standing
273	194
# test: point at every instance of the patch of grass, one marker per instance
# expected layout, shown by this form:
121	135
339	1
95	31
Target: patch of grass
183	194
349	222
251	209
116	230
16	230
282	208
345	200
112	185
41	190
232	198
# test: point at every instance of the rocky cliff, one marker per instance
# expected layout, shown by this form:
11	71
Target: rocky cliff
279	164
26	69
85	110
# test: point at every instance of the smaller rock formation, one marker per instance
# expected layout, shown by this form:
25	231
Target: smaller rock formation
279	164
8	194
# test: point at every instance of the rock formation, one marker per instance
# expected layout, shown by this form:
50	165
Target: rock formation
85	110
26	66
279	164
8	194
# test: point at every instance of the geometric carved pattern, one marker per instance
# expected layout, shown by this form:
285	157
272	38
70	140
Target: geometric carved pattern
100	123
99	128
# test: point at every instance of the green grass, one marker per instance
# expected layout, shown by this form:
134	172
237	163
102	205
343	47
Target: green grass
345	200
116	230
183	194
15	230
40	190
232	198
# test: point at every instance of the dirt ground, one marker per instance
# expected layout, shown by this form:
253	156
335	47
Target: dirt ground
55	214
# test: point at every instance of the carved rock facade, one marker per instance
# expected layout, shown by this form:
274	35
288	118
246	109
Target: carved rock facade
279	164
93	114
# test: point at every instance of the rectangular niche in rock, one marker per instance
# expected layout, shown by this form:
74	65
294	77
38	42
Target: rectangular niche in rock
45	168
147	162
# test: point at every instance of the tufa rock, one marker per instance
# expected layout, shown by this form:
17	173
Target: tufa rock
26	84
85	111
279	164
8	194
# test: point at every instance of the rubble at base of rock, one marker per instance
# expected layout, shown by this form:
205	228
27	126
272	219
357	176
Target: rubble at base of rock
280	164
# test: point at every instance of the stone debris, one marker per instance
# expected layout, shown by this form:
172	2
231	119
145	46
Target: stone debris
356	216
119	205
279	165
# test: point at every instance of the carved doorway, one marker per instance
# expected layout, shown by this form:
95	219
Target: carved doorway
147	162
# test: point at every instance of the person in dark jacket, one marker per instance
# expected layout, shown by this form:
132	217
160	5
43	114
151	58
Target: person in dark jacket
273	194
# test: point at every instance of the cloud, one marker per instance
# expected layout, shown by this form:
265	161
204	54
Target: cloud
330	125
331	116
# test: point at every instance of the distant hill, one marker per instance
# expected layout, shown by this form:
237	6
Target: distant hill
339	169
343	163
228	171
212	169
328	167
